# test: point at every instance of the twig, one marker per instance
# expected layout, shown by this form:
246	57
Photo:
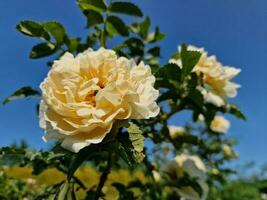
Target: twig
77	180
103	178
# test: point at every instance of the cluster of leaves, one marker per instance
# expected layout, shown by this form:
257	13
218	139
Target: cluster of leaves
125	145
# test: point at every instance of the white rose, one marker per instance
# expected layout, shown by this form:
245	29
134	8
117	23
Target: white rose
220	124
175	131
195	168
216	77
83	96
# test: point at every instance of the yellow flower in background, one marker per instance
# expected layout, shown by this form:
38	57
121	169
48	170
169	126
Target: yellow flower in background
228	152
195	168
83	96
220	124
176	131
216	77
156	176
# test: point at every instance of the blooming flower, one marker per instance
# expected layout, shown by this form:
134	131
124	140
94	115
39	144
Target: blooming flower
228	152
175	131
220	124
156	176
216	77
195	168
83	96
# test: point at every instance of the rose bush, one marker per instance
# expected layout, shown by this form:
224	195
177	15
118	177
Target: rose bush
111	108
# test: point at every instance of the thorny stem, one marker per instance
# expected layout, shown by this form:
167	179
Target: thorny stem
77	180
103	178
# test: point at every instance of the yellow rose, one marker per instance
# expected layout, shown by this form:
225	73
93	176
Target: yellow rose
175	131
228	152
220	124
83	96
156	176
216	77
195	168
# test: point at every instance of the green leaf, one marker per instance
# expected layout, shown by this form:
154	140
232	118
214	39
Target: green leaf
189	60
21	93
171	71
91	39
93	18
234	110
144	27
155	36
73	44
136	137
96	5
136	46
120	149
125	8
176	56
56	30
118	25
196	97
42	50
64	189
11	150
170	94
32	29
155	51
141	28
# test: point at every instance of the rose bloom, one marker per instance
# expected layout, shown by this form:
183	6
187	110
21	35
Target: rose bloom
216	77
220	124
83	96
228	152
195	168
156	176
175	131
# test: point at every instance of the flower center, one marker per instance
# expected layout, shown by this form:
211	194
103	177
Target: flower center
90	97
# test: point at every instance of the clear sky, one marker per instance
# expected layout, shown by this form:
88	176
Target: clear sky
234	30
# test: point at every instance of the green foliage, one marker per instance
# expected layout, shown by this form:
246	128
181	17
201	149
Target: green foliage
125	8
32	29
56	30
93	18
118	25
42	50
124	146
189	60
234	110
21	93
96	5
136	137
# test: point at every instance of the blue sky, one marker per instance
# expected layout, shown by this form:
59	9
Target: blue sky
234	30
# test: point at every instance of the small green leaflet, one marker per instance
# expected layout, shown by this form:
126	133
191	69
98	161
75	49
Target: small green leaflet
136	137
189	60
125	8
21	93
32	29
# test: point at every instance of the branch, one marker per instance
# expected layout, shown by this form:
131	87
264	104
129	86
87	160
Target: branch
103	178
77	180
